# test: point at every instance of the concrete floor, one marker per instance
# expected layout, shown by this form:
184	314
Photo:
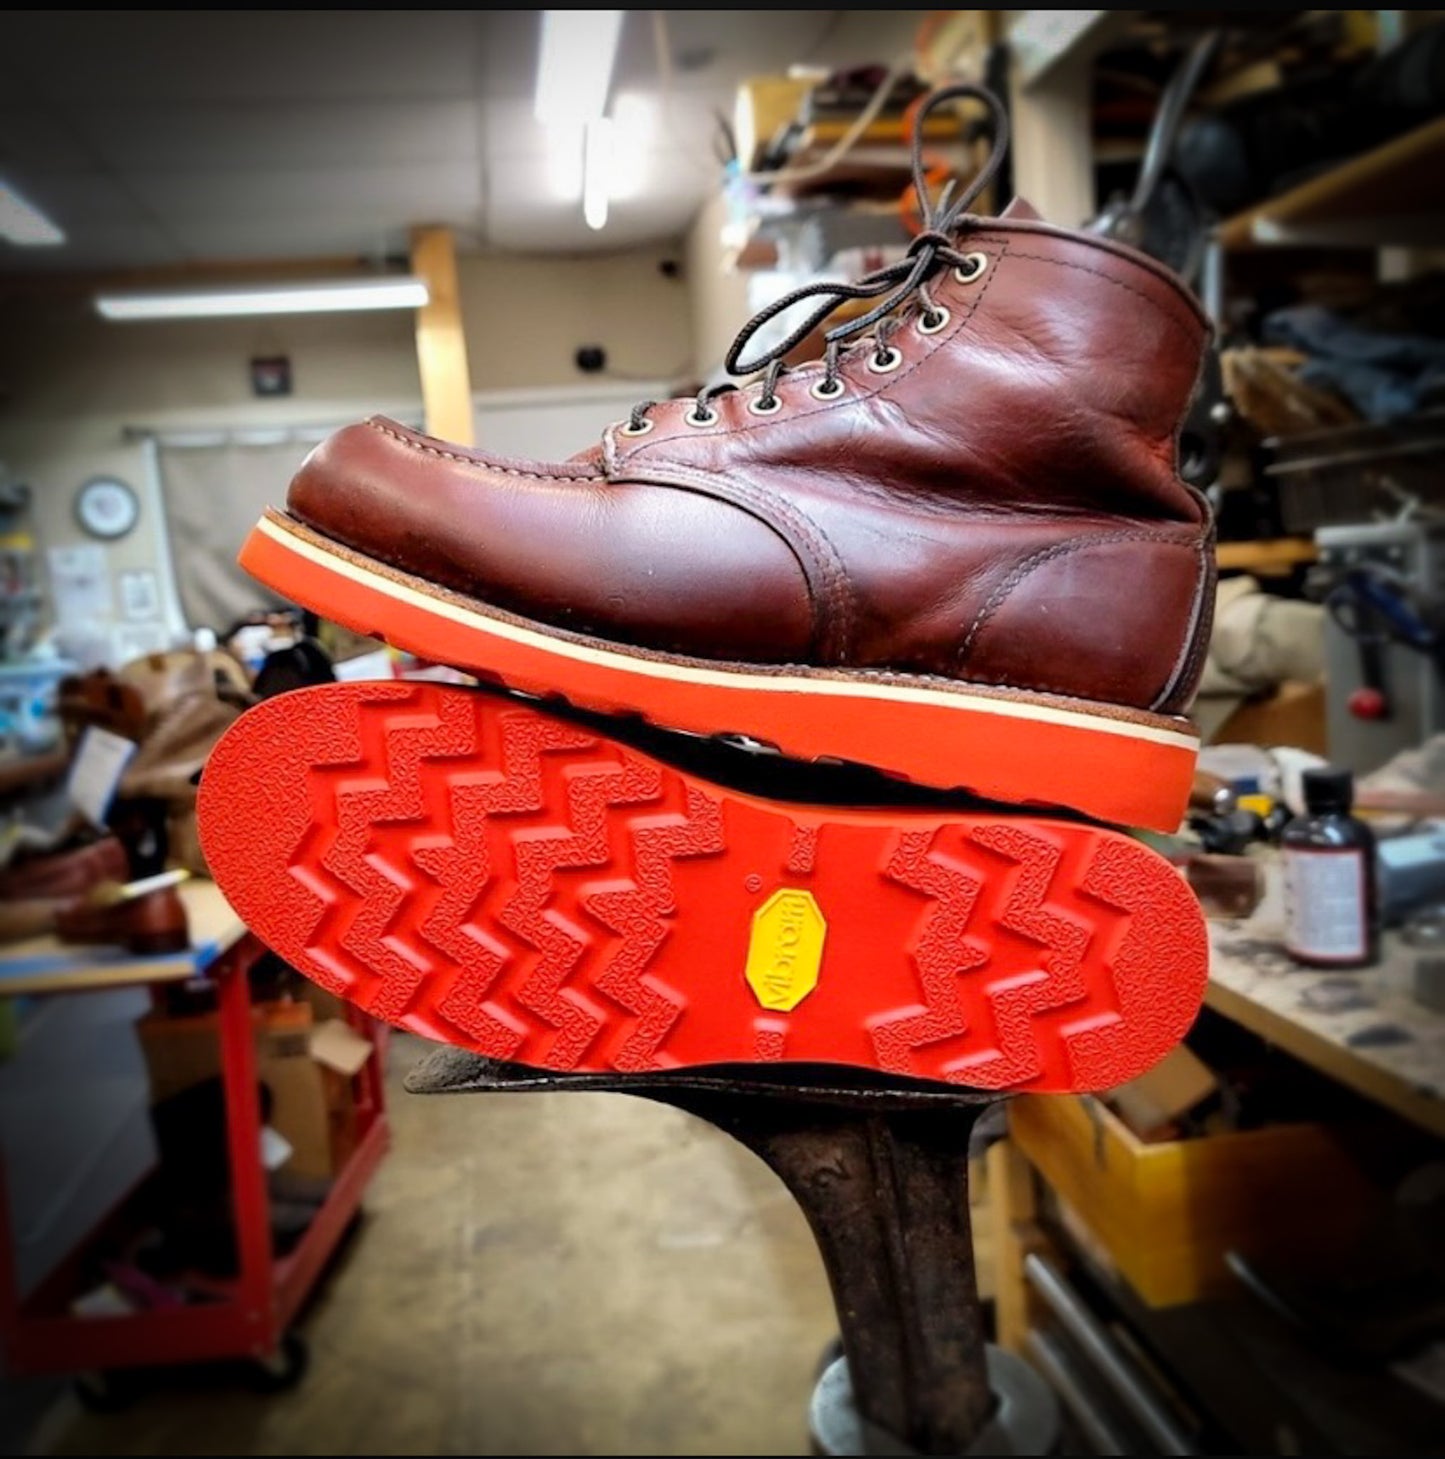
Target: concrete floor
579	1274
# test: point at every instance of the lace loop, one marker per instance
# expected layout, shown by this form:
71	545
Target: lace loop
892	286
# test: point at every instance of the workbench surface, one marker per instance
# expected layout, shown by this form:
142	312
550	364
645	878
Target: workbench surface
46	965
1361	1026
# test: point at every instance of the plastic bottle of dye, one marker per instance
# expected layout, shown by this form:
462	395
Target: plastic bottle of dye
1329	877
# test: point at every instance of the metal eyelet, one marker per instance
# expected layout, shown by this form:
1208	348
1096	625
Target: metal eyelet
887	362
757	406
821	392
976	263
642	430
698	422
940	317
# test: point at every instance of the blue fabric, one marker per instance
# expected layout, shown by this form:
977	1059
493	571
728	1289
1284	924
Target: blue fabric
1384	376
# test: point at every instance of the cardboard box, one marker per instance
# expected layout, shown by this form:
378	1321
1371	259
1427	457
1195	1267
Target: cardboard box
1167	1214
182	1052
1161	1096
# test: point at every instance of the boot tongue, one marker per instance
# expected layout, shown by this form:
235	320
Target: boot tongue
1021	210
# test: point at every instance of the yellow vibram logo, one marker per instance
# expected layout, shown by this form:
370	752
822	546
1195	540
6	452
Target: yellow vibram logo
785	949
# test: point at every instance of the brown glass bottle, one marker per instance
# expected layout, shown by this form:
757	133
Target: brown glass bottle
1329	878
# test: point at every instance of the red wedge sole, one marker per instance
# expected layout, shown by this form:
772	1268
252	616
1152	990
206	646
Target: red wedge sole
503	879
1116	764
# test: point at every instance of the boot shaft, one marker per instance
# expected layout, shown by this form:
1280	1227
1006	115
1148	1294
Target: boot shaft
1059	382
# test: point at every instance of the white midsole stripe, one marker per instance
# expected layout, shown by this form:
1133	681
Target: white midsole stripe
719	678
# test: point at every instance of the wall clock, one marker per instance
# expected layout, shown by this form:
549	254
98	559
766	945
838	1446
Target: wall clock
106	507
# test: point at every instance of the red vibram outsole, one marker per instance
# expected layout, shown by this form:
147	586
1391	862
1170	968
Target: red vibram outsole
503	879
1128	766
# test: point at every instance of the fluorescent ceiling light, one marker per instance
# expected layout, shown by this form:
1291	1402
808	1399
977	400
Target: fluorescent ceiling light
22	223
597	173
392	292
575	71
564	161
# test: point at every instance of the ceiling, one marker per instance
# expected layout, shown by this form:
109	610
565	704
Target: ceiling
158	138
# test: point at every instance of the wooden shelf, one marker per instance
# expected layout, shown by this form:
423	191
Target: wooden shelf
1272	559
1390	196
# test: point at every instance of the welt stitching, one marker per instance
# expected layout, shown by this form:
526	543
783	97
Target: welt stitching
1191	332
1037	559
1011	682
472	460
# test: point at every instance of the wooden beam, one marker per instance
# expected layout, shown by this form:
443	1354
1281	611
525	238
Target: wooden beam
441	344
1388	195
1014	1232
1053	139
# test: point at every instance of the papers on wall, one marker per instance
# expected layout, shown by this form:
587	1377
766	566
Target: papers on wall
80	588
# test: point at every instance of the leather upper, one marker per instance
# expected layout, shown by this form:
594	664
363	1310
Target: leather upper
1003	506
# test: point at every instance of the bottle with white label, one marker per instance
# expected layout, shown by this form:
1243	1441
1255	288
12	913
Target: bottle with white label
1329	878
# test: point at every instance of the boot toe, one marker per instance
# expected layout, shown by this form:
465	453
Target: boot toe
560	544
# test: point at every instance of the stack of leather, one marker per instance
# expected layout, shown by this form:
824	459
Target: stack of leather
83	892
89	885
117	885
190	700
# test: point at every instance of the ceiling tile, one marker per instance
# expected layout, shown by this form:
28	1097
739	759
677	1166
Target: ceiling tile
298	237
30	137
101	245
228	55
76	200
386	195
284	133
226	136
508	53
523	215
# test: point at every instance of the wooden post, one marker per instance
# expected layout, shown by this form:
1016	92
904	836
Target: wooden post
441	344
1012	1212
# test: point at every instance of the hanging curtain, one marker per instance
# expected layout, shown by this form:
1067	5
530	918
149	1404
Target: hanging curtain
214	491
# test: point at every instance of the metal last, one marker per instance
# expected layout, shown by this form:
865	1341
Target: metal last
879	1166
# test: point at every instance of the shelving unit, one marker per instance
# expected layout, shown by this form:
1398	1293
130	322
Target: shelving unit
1391	196
1271	559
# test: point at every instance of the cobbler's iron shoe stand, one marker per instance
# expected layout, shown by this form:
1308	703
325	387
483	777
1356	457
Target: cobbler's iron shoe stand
880	1169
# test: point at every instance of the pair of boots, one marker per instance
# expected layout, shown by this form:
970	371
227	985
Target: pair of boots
956	549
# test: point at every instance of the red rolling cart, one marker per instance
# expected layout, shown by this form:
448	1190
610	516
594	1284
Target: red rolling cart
252	1314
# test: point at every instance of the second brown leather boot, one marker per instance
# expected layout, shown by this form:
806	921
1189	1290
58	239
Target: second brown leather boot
143	921
957	547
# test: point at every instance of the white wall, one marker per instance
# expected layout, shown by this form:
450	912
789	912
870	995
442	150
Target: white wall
525	317
718	296
71	384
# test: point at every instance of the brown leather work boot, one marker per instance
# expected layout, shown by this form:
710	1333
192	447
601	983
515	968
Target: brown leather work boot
957	547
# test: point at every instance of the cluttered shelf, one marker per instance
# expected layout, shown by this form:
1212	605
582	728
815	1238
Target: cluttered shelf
1268	558
1388	196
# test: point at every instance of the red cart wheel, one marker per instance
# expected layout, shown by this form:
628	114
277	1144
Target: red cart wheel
284	1368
